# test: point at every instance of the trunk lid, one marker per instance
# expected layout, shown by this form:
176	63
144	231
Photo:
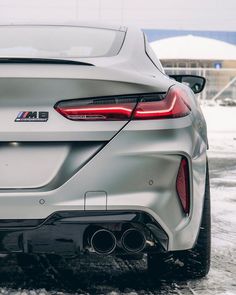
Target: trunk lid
44	154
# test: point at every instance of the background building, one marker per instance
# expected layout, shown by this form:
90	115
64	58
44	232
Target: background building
213	59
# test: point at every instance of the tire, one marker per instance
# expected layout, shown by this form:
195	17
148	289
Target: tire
187	264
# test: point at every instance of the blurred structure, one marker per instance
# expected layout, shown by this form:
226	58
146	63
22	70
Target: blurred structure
226	36
216	60
159	20
194	52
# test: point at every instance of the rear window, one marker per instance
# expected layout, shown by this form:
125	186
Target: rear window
59	41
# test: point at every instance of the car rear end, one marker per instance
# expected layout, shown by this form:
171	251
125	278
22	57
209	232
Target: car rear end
104	159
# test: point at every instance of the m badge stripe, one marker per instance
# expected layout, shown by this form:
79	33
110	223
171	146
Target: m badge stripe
25	114
32	116
20	114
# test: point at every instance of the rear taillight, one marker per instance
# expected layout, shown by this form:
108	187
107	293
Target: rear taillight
182	185
101	109
123	108
172	106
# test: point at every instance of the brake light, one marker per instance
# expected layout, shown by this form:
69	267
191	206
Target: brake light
182	185
174	105
110	109
130	107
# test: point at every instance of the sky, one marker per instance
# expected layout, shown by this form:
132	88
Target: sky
217	15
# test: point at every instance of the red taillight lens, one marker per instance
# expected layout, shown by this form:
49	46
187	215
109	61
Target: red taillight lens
115	109
172	106
182	185
135	107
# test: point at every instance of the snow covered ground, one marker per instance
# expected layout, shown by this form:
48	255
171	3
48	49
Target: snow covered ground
221	123
96	276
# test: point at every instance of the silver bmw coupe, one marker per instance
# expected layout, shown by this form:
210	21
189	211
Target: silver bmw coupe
100	151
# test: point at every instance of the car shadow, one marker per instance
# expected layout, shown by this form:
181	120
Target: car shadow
82	275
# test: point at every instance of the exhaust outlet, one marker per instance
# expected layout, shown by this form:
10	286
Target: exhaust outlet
103	242
133	240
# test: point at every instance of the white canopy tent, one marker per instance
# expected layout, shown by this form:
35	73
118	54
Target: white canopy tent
193	48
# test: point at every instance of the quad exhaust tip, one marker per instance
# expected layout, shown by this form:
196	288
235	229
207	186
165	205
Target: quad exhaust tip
103	242
133	240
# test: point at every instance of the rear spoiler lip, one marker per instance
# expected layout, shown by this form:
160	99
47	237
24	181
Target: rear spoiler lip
30	60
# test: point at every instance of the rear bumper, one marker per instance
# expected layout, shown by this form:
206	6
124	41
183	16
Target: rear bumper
136	171
67	233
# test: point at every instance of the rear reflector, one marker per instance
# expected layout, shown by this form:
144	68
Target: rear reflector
182	185
130	107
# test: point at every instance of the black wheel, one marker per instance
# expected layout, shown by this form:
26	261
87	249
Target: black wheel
187	264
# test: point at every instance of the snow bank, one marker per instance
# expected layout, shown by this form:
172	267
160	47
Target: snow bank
221	126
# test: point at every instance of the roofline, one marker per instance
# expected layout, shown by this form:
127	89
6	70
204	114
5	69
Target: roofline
99	25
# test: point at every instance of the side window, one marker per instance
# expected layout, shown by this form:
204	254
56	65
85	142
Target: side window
151	55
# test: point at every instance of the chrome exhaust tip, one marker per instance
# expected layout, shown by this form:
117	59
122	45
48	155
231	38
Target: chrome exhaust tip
133	240
103	242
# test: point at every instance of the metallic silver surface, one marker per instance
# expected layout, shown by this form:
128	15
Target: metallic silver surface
122	165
